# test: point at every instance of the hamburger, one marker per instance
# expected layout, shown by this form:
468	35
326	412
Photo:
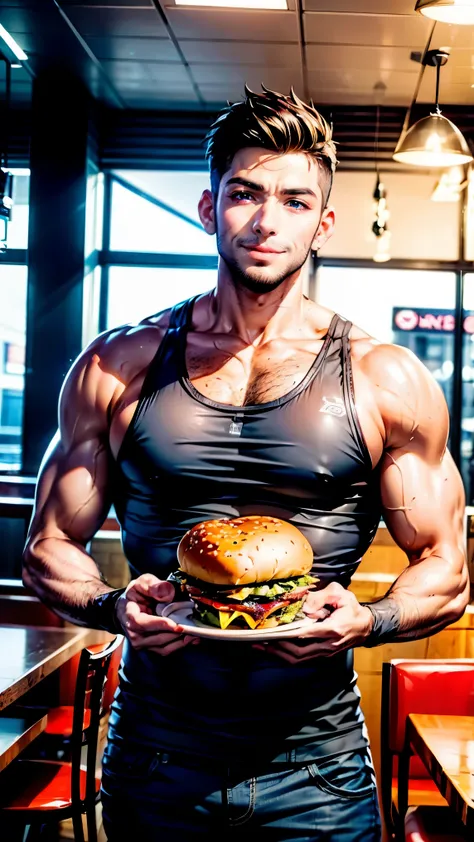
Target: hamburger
250	572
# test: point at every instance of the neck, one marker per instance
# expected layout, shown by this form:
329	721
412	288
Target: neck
257	317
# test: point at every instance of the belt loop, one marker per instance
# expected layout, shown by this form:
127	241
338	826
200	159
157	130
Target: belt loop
292	756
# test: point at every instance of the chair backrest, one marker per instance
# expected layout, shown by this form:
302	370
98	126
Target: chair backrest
427	686
96	674
418	685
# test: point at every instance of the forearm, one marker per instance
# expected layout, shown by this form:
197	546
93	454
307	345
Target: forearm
66	578
429	595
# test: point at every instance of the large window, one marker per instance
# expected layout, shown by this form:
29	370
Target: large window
13	281
157	212
18	225
157	251
12	363
136	292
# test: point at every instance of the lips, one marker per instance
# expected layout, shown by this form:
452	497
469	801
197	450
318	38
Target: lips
263	249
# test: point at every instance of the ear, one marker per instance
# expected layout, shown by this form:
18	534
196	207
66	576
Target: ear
206	212
326	227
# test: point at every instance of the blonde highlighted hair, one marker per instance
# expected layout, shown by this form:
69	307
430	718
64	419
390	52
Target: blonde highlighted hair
275	122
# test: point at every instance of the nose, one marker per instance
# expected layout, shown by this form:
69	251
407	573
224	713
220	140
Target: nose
265	223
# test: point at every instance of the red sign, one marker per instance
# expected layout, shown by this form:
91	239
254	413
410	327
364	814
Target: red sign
437	321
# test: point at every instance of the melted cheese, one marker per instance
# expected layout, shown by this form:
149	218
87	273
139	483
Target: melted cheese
225	618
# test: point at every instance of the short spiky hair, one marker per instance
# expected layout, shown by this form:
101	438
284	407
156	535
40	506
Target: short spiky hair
275	122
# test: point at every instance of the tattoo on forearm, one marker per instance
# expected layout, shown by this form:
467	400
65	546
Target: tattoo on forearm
387	619
397	619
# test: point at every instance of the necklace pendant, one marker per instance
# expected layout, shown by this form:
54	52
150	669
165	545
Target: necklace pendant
235	428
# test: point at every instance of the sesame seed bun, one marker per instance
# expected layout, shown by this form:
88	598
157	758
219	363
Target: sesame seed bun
244	550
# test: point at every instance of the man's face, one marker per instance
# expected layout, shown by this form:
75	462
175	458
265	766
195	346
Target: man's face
267	216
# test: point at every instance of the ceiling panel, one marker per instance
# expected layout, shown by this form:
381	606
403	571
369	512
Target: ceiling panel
456	37
17	19
358	86
388	30
123	71
240	52
227	24
378	7
272	77
151	99
113	22
139	49
453	94
335	56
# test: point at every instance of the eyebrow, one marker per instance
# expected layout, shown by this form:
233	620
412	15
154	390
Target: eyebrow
259	188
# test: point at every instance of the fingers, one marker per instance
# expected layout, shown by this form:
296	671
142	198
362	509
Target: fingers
331	597
136	620
150	587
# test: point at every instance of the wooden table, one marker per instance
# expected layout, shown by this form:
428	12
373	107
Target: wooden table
446	746
30	653
16	733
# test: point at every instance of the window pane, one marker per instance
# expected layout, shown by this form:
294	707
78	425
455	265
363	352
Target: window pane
467	421
138	292
17	237
469	220
410	308
13	281
172	226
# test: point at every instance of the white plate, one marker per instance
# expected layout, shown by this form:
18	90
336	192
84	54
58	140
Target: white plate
182	613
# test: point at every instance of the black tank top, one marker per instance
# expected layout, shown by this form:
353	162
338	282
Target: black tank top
185	459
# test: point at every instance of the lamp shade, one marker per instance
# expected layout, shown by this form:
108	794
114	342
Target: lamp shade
447	11
433	142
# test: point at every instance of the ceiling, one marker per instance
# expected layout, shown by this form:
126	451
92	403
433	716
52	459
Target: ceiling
348	55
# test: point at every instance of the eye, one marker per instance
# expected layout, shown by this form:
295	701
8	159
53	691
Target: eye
295	204
241	196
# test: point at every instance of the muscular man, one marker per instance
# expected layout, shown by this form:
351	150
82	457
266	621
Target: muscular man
250	399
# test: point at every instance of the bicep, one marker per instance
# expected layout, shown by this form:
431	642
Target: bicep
73	491
423	501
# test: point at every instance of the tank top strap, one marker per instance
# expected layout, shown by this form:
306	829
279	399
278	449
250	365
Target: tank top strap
181	314
165	363
339	327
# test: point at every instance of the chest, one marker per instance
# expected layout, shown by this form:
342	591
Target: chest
228	374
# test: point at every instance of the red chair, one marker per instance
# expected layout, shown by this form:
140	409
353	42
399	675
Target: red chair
417	686
37	792
60	718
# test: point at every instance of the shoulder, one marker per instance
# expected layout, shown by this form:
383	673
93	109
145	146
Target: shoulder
410	401
109	363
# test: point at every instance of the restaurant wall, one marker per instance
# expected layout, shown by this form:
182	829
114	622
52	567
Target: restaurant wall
421	229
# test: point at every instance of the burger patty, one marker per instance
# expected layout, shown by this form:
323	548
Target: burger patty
255	609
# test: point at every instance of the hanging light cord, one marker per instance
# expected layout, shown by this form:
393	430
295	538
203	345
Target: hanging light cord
438	60
377	129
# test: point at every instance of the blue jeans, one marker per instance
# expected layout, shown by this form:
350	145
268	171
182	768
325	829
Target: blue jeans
153	797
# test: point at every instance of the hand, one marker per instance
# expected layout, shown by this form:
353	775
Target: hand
136	612
347	624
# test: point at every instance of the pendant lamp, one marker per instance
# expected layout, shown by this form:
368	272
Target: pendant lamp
433	141
447	11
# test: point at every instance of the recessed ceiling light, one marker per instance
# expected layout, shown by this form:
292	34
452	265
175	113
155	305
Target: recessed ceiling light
235	4
10	42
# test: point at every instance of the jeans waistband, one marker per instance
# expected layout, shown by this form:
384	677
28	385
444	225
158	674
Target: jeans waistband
298	756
